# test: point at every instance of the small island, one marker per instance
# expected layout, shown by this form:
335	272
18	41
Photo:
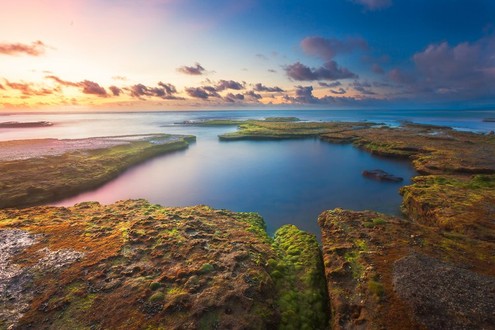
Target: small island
31	124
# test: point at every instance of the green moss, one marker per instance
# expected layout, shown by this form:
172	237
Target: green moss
209	320
299	279
376	288
157	297
155	286
206	268
352	258
256	224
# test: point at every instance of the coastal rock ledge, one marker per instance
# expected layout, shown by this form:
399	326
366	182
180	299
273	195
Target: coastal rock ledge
384	272
136	265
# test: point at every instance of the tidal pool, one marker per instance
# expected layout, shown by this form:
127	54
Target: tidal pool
290	181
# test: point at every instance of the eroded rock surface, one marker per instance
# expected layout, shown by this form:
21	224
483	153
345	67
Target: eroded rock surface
443	296
134	265
17	287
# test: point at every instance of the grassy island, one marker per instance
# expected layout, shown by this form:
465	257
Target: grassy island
40	171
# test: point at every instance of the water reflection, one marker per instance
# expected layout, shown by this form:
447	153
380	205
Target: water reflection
285	181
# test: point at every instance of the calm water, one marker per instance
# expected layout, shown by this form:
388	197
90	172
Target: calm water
285	181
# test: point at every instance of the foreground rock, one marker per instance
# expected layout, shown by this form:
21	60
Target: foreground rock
387	273
134	265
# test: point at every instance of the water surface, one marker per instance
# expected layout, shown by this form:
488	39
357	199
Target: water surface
285	181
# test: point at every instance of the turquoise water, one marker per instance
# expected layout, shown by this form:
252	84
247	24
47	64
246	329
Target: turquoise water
285	181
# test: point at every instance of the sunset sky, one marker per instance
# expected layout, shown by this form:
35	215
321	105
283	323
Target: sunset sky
243	54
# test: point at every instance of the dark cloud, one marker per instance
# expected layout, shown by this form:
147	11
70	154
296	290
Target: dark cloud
304	95
229	84
329	71
195	70
259	87
253	95
62	82
233	97
87	86
201	92
461	67
272	70
28	89
36	48
90	87
163	91
364	87
374	4
339	91
331	85
329	48
115	90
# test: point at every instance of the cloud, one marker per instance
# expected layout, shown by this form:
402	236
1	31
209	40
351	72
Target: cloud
272	70
374	4
62	82
363	87
86	86
163	91
115	90
1	87
36	48
303	94
327	49
253	95
329	71
340	91
28	89
332	84
229	84
233	97
259	87
195	70
202	92
90	87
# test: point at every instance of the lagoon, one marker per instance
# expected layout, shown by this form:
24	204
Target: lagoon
289	181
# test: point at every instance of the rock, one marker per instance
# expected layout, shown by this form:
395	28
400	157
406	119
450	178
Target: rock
443	296
382	176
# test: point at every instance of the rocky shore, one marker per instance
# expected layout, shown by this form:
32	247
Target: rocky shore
136	265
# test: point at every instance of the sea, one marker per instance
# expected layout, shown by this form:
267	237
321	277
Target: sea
290	181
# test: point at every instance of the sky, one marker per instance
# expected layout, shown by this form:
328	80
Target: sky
246	54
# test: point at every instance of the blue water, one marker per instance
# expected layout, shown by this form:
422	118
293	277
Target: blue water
285	181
